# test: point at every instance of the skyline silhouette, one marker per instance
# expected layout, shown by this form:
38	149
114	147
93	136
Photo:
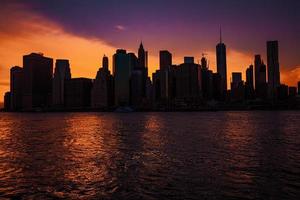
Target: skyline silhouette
187	86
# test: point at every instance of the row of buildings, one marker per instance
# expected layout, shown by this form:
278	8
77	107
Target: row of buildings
188	85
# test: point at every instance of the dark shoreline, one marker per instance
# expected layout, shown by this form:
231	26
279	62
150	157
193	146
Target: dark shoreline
89	110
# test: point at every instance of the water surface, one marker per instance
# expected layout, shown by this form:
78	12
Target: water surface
213	155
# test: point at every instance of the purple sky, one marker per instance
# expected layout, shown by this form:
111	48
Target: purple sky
182	26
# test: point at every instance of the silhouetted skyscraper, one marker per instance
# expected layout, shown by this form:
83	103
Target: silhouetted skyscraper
206	80
136	88
105	63
298	87
237	87
187	80
273	67
249	76
222	64
137	79
162	75
16	87
103	90
122	72
143	66
249	83
141	56
217	91
165	60
261	87
37	87
78	93
236	79
61	74
257	66
282	92
7	101
156	86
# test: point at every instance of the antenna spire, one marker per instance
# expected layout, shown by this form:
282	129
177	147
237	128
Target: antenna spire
220	34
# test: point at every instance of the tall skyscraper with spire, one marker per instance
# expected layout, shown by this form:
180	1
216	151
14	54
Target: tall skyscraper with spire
141	56
222	63
142	66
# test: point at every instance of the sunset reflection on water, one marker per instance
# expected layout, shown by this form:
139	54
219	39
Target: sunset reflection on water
150	155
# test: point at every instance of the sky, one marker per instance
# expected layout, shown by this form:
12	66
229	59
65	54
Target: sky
83	31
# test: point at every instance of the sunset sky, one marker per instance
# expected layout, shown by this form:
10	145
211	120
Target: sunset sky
84	30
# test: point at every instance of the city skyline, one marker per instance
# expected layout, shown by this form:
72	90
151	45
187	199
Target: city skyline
42	28
187	86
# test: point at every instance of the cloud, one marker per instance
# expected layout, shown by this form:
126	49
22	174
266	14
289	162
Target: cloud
120	28
290	76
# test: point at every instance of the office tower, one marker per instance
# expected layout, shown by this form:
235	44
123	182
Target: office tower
261	85
105	63
206	80
62	73
149	90
162	76
249	83
137	79
236	79
143	66
282	92
222	64
103	90
249	76
257	67
122	72
78	93
37	81
165	60
16	87
136	89
207	84
134	62
156	86
165	84
262	77
298	87
217	90
162	85
237	87
187	80
141	56
273	67
7	101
